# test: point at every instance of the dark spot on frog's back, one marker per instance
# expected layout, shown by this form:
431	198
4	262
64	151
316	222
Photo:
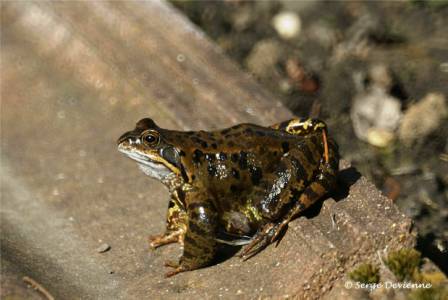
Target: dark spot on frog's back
234	157
211	170
300	170
243	160
235	173
226	131
308	154
210	157
200	142
285	147
248	130
255	175
197	156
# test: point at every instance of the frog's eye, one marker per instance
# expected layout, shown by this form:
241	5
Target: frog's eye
150	137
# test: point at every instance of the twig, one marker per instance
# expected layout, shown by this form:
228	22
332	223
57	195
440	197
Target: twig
380	258
38	287
333	221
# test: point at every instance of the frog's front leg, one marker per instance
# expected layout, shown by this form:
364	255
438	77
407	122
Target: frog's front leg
200	237
175	225
166	238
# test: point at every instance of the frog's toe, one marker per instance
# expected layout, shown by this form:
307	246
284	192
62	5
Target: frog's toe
171	264
254	248
174	272
260	241
156	241
178	268
278	232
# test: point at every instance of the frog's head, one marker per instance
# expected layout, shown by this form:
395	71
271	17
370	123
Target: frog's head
154	155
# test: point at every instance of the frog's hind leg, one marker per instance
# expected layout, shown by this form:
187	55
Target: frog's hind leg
272	230
323	183
295	180
275	194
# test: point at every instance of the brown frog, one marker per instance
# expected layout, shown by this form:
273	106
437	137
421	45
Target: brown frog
240	185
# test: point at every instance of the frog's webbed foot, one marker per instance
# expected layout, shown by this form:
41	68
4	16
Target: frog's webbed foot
166	238
178	268
267	235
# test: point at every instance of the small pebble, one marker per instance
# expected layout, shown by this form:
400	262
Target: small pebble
379	137
375	116
423	118
180	58
103	248
287	24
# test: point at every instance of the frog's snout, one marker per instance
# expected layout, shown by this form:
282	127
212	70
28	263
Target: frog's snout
122	138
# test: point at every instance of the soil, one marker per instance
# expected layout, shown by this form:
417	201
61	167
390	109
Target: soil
317	73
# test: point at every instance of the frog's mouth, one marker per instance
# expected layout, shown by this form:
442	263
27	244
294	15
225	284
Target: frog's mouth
151	168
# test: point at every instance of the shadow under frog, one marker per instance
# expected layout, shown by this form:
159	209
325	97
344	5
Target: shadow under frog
239	186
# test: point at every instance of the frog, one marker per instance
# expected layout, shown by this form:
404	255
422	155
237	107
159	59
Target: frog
240	185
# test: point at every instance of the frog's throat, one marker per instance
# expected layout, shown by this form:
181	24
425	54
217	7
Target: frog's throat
157	171
151	167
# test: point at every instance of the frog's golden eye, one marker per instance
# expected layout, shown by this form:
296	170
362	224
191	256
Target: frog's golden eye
150	137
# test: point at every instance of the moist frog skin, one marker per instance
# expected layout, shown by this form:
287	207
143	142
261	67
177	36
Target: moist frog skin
240	185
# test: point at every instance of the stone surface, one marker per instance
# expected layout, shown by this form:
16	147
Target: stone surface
75	75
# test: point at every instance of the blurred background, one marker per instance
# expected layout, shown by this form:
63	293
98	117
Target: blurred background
375	71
